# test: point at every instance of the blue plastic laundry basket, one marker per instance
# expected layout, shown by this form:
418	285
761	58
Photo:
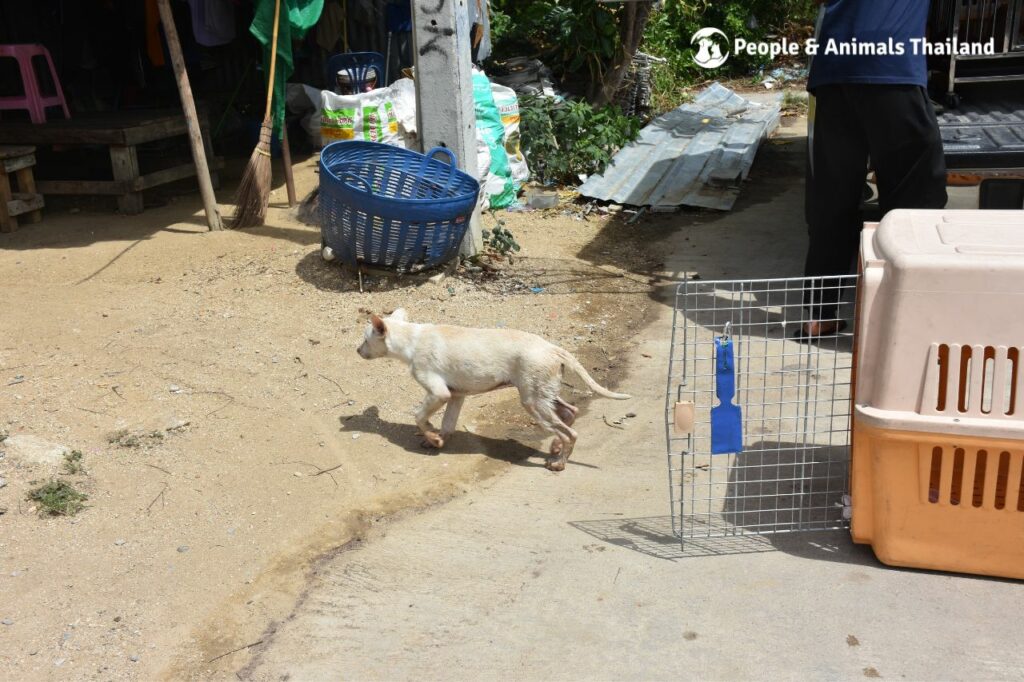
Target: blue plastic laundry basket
391	207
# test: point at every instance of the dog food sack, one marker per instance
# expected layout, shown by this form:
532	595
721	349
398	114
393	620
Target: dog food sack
368	116
508	107
500	187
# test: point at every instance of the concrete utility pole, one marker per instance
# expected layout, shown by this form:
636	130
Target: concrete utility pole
444	89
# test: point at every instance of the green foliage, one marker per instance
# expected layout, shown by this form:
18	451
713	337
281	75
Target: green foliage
500	242
579	39
669	30
576	38
58	498
563	140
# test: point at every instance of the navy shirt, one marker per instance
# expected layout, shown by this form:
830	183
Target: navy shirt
886	23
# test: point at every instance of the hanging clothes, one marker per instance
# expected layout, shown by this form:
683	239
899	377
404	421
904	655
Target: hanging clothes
480	21
297	17
330	26
154	43
213	22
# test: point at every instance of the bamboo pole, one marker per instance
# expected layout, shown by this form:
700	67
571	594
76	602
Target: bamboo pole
195	135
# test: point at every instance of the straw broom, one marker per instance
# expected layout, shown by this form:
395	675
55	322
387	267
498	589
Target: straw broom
254	190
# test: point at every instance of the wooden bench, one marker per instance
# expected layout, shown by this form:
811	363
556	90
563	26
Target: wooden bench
18	161
121	132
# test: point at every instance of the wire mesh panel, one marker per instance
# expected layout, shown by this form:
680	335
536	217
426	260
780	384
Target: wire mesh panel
792	473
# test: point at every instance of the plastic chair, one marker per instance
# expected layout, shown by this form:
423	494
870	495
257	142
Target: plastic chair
358	65
33	101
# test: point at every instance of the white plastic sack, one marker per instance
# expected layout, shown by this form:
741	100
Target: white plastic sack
483	167
403	93
368	116
508	106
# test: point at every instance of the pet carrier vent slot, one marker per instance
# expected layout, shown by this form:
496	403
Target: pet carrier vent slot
996	482
1013	356
935	475
943	381
1020	490
987	377
973	379
958	476
964	391
1002	479
979	478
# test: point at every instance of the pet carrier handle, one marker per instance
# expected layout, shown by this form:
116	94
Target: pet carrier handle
345	177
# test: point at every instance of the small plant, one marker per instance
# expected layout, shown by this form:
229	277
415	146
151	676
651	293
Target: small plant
500	243
124	438
793	103
566	140
58	498
134	439
73	463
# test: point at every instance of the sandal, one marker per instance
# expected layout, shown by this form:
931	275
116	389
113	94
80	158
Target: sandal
801	335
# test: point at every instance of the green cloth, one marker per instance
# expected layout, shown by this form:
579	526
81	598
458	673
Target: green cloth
297	17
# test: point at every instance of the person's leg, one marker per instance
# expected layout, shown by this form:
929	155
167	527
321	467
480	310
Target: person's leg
905	146
837	165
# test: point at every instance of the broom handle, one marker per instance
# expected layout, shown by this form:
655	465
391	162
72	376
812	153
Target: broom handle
273	59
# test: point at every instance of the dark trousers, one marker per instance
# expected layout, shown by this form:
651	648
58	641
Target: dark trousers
894	126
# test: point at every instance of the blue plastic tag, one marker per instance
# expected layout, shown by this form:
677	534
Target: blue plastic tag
726	418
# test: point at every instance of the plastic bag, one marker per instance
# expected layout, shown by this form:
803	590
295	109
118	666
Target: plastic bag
508	106
368	116
403	93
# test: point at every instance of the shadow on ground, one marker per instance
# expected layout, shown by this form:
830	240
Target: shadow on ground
775	496
654	537
408	438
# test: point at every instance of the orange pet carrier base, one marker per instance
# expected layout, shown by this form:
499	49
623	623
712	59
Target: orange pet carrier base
938	424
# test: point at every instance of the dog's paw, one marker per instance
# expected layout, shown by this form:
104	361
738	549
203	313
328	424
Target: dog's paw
433	440
555	465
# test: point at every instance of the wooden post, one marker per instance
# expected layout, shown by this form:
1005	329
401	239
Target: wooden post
286	157
124	160
444	89
195	135
8	223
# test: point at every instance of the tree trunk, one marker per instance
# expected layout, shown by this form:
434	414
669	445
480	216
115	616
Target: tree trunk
631	32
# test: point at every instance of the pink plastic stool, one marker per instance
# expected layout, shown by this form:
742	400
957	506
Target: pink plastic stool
33	101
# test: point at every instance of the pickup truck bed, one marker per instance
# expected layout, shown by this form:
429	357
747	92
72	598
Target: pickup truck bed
984	133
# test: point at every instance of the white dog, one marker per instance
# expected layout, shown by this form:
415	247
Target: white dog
454	362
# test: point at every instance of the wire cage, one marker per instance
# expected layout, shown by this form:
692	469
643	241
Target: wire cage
793	471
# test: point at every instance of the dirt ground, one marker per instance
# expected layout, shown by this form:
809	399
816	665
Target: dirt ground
230	434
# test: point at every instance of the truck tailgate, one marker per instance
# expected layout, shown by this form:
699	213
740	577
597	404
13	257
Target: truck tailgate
984	134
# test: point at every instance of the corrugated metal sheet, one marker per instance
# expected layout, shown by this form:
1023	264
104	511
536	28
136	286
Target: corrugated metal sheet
695	155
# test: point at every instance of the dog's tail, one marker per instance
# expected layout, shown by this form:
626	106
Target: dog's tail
572	363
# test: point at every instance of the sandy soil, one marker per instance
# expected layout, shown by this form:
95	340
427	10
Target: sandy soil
261	440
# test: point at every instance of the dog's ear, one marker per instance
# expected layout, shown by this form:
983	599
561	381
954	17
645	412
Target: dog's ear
378	325
399	315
